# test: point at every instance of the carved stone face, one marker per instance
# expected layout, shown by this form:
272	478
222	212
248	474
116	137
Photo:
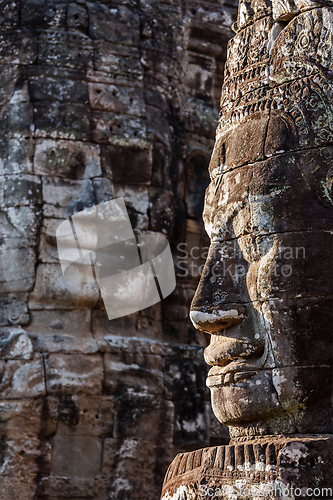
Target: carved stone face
265	293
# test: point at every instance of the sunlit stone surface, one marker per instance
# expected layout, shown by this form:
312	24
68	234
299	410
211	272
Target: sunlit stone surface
265	295
102	100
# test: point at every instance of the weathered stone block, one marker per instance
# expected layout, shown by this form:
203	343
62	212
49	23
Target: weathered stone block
110	448
168	100
14	309
128	165
200	118
102	327
114	60
55	15
20	418
213	18
66	487
53	291
190	374
53	50
191	423
118	129
62	121
143	454
194	196
16	220
15	343
77	17
138	415
22	379
70	159
136	199
116	97
82	415
117	24
76	456
20	454
68	374
16	156
48	250
32	12
131	373
17	267
9	15
103	189
66	84
20	190
62	331
158	126
160	66
199	76
8	75
64	197
18	487
17	120
18	46
162	210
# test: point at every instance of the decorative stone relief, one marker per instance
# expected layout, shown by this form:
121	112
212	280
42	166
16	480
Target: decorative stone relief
265	294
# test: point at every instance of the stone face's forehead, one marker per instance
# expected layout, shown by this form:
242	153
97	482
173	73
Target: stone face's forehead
261	198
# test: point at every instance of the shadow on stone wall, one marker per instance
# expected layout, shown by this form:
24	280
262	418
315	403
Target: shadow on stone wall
101	100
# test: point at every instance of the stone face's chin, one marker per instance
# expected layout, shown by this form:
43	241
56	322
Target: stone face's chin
272	400
246	399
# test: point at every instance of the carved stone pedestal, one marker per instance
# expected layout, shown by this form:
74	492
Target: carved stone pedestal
268	467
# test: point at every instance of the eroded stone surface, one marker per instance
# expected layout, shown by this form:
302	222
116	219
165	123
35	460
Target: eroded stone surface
268	210
100	100
265	294
269	467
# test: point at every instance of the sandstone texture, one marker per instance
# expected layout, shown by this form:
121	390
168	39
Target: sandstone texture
292	466
99	100
265	294
268	277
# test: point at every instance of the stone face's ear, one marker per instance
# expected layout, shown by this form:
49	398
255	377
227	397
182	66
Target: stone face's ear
281	134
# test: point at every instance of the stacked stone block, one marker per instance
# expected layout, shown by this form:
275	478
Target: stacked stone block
101	100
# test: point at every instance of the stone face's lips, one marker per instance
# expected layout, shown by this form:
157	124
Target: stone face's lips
233	372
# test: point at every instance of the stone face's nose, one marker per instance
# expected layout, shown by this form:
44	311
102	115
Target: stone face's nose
215	321
221	297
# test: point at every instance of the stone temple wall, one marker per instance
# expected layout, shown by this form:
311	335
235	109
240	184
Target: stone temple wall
101	100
